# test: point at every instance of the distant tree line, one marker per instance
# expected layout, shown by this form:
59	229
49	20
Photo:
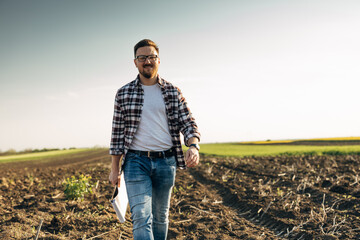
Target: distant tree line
30	150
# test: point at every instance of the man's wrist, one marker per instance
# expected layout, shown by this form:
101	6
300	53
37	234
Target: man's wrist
192	140
195	145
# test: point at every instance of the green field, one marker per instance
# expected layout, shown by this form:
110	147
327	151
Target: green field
328	140
218	149
41	155
234	149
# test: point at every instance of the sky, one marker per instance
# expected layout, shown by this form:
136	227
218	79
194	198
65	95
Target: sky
249	70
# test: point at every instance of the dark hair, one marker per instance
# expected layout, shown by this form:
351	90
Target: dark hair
145	43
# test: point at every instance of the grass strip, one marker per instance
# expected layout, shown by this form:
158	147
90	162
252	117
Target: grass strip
237	150
42	155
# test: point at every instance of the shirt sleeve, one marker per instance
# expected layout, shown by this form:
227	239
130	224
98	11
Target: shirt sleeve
118	126
188	126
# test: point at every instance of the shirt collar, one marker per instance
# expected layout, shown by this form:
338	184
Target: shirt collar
160	81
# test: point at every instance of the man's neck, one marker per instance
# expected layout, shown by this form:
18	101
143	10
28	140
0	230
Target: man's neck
148	81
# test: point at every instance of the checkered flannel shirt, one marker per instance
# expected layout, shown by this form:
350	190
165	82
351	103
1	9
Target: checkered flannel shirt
127	114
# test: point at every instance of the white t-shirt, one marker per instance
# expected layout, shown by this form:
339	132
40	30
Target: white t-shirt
152	133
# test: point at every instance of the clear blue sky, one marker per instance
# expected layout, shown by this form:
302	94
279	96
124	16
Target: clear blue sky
250	70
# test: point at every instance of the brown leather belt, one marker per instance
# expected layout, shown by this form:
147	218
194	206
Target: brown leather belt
152	154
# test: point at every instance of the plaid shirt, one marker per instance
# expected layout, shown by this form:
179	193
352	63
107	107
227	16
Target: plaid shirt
127	114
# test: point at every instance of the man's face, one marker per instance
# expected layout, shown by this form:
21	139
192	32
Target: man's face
149	67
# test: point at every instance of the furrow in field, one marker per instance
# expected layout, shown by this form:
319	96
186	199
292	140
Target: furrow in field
198	209
250	211
291	190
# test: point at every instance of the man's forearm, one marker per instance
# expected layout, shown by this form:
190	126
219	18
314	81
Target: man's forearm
115	161
193	140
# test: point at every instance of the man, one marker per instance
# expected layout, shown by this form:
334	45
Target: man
149	115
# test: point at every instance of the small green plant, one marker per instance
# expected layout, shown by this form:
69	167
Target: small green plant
279	192
77	188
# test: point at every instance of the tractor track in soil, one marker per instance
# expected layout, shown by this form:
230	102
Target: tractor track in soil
319	195
248	211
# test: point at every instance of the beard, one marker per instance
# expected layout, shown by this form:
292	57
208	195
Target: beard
148	73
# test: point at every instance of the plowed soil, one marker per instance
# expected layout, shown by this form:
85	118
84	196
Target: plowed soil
287	197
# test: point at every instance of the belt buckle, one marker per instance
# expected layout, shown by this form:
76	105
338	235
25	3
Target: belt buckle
148	154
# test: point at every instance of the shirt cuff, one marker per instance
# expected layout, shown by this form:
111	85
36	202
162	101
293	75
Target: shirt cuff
191	136
116	152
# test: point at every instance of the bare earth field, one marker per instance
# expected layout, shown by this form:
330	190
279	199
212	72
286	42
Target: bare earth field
287	197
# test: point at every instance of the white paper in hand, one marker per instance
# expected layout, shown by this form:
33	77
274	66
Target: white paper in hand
120	200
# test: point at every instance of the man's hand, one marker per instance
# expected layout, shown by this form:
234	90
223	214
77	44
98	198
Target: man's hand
192	157
115	178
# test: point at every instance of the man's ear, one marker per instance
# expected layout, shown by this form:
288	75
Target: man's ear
135	63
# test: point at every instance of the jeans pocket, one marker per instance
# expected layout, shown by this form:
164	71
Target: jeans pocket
170	161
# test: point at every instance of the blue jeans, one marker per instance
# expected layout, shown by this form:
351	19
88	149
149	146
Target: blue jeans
149	182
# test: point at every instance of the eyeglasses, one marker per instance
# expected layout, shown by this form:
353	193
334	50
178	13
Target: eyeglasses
142	58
